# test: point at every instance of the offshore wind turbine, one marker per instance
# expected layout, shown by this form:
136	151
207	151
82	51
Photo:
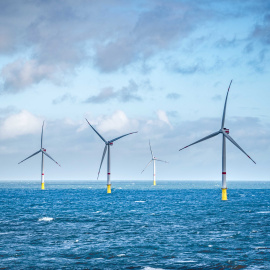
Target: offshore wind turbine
225	135
154	159
108	144
43	151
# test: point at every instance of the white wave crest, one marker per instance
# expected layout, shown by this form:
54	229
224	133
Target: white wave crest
140	201
180	261
262	248
121	255
45	219
151	268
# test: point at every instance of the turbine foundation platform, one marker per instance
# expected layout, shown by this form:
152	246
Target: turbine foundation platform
109	189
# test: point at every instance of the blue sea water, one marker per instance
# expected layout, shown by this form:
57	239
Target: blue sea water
175	225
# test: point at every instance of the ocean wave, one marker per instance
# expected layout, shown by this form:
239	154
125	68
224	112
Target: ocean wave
151	268
180	261
121	255
46	219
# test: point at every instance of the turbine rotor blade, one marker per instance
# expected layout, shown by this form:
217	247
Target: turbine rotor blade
147	165
203	139
42	134
237	145
30	156
225	105
96	132
122	136
46	154
162	160
151	149
104	153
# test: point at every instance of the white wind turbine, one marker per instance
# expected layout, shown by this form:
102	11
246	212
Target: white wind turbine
154	159
225	134
43	151
107	146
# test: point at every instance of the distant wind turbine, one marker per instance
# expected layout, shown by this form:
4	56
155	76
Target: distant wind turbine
107	146
43	151
154	159
225	134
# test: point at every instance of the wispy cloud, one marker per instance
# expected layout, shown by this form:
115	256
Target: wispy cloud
21	74
217	97
262	30
125	94
162	116
173	96
63	98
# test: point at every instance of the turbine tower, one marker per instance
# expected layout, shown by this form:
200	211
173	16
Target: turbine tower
225	135
43	151
107	146
154	159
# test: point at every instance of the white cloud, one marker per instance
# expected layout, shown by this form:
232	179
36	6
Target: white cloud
21	74
20	124
162	116
118	121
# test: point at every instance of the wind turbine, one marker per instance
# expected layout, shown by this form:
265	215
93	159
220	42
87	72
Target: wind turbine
43	151
154	159
107	146
225	135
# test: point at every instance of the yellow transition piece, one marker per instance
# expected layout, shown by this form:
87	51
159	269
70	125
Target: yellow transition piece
224	194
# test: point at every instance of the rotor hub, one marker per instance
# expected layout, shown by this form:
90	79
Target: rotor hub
226	130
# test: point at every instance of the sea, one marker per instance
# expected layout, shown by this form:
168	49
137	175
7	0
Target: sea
174	225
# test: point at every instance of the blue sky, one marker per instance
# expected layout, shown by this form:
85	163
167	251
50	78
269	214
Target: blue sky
161	68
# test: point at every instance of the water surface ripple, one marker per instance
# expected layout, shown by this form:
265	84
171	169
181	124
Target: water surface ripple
135	227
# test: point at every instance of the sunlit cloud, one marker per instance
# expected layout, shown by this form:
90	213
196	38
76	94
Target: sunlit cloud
19	124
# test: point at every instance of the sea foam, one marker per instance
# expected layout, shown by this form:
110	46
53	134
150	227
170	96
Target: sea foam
45	219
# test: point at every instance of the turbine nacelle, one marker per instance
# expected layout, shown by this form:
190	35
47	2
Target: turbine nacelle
43	149
226	130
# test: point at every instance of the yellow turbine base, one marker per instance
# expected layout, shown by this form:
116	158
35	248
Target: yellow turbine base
42	186
109	189
224	194
154	183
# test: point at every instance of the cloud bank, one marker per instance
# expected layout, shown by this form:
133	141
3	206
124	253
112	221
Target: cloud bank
46	39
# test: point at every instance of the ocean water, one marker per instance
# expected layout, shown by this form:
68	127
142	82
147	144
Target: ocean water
175	225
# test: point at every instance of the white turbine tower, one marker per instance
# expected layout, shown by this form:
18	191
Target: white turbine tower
43	151
154	159
107	146
225	135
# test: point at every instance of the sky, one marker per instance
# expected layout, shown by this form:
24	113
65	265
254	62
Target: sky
161	68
